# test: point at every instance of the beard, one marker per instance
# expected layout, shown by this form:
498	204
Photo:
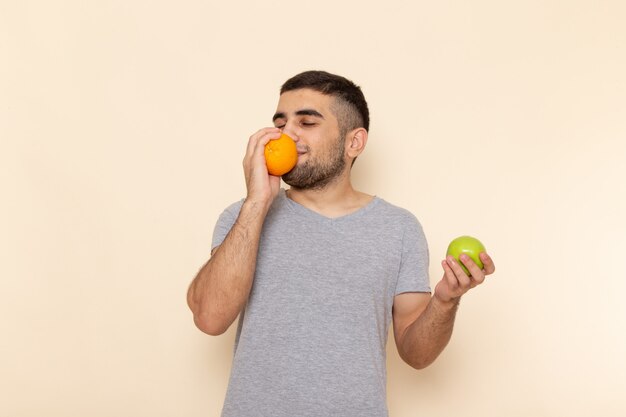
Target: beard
315	174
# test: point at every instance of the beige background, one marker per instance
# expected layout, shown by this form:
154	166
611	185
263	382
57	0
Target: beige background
123	125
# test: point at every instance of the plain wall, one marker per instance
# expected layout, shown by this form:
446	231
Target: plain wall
123	125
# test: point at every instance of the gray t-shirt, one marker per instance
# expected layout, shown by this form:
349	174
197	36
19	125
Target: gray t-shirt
311	339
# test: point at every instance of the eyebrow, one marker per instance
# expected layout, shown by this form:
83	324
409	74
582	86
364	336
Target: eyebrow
303	112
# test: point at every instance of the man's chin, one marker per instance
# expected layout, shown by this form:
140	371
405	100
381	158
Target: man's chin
294	179
295	176
307	183
306	177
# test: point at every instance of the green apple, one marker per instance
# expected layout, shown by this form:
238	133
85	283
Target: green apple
469	246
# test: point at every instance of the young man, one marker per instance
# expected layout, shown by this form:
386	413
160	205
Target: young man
318	272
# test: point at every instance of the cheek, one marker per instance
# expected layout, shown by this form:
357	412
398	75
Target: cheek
322	144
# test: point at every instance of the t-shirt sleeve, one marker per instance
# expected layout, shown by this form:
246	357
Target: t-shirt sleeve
224	223
413	275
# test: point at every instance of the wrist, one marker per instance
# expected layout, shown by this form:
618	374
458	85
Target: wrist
446	305
256	207
260	199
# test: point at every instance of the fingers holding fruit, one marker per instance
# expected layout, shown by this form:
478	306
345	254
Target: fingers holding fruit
260	185
465	267
256	145
469	246
488	266
269	155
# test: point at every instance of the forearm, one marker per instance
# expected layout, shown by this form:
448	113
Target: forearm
222	286
429	334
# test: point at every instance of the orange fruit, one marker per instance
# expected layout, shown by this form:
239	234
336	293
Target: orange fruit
281	155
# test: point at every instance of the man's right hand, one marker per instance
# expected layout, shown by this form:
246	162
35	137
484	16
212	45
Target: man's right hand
262	187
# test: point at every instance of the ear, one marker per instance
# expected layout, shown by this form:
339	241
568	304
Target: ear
355	142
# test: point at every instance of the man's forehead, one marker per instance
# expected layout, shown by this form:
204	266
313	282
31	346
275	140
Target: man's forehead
304	101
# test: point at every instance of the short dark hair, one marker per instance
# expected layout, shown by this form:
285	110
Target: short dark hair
348	95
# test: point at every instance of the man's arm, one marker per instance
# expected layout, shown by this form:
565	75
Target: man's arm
423	324
221	289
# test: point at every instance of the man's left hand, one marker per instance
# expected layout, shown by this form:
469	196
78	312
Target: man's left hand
456	282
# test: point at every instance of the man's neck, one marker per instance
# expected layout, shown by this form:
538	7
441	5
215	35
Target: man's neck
336	199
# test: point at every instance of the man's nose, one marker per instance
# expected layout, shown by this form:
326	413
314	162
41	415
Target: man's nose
287	130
